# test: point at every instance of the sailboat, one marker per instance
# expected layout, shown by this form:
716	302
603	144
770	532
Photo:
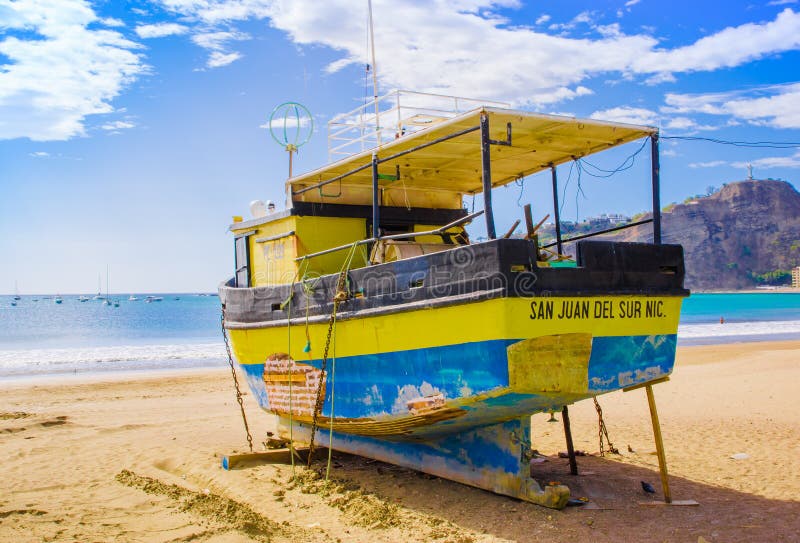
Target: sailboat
109	301
98	296
16	293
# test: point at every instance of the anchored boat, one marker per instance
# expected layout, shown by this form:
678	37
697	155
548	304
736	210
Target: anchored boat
364	316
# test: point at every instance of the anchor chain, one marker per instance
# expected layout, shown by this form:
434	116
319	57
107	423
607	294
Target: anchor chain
340	296
235	380
603	431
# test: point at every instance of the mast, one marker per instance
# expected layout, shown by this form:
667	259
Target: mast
374	75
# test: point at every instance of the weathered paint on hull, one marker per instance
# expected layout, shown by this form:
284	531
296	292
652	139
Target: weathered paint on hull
495	457
420	374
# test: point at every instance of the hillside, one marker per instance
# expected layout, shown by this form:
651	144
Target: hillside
741	236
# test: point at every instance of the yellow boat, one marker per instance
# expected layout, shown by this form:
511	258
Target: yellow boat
363	315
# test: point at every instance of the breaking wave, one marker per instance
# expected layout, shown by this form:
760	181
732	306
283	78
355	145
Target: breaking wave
22	362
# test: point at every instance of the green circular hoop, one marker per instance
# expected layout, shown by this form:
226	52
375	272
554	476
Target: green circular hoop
299	110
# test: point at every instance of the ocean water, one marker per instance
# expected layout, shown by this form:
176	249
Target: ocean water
42	337
725	318
183	331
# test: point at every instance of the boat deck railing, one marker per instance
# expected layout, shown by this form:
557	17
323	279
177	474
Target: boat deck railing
392	116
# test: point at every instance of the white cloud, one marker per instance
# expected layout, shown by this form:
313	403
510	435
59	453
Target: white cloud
631	3
217	43
629	115
218	59
609	31
685	123
729	47
711	164
777	106
664	77
453	44
40	154
215	12
781	2
681	123
792	161
288	122
583	17
59	71
111	21
543	19
160	30
118	125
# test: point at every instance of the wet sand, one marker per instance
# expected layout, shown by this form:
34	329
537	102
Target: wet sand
136	458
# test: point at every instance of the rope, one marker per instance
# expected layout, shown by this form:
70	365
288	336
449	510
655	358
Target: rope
340	296
235	380
288	304
603	431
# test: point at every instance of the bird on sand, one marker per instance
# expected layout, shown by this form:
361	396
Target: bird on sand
647	487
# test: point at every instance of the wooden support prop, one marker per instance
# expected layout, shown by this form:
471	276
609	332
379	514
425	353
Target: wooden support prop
540	223
662	458
573	464
274	456
529	221
647	384
511	230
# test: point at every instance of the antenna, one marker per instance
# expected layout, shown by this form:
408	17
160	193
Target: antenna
750	172
295	116
374	74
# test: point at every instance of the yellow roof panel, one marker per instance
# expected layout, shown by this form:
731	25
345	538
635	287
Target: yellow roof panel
537	142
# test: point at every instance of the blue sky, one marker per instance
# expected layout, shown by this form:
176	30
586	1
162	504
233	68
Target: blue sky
130	132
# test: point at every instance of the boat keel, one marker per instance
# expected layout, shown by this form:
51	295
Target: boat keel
494	458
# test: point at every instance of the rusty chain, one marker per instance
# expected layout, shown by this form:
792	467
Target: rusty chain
340	296
602	430
235	380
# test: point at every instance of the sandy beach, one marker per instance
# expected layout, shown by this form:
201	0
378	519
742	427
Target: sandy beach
136	458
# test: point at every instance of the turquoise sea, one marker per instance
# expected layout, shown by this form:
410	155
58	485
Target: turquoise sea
183	330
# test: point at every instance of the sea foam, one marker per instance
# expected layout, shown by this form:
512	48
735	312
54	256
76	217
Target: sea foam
21	362
733	330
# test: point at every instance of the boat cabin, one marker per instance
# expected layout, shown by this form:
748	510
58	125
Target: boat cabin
401	193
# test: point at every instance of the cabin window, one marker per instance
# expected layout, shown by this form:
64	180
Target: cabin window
242	261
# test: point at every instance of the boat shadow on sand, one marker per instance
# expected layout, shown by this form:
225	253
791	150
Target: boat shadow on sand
616	510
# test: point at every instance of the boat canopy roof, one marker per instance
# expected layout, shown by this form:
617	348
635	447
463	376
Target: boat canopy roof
454	163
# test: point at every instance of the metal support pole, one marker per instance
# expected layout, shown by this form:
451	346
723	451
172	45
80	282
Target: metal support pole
376	202
656	170
662	458
573	464
487	176
556	212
